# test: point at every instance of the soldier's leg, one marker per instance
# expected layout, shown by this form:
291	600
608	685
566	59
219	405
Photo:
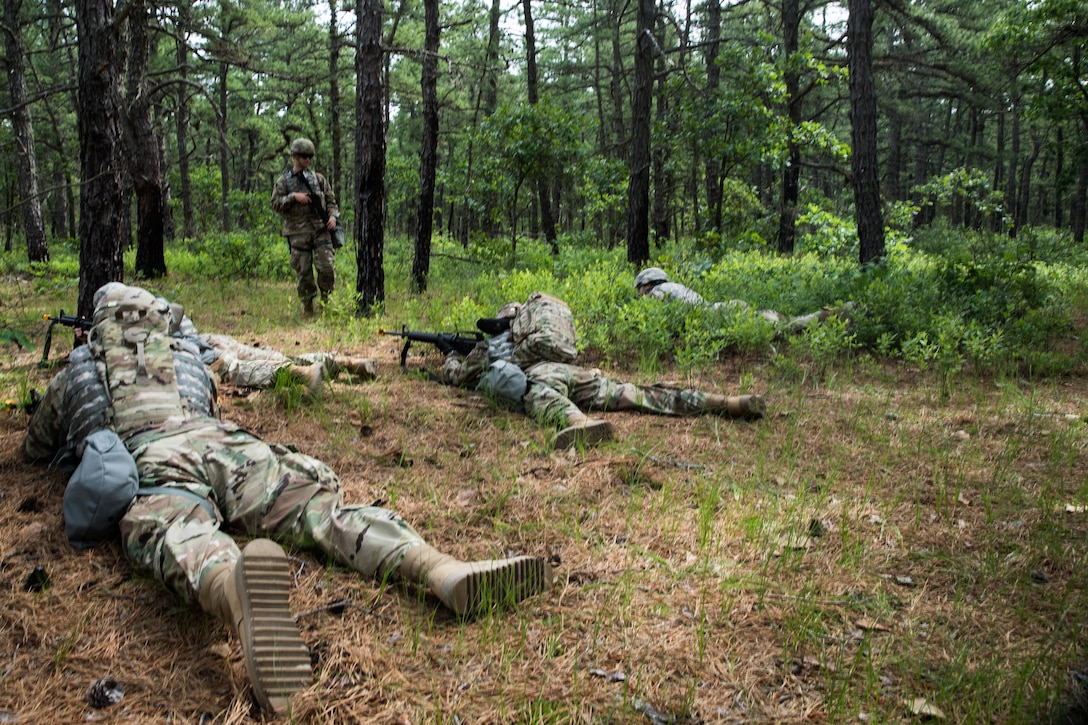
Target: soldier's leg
362	368
547	403
176	540
304	505
302	260
175	536
325	265
225	344
660	400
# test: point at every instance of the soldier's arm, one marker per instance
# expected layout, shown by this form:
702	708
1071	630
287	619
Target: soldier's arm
281	195
46	432
330	198
465	372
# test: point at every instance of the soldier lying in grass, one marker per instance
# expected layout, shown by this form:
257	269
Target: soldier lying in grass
529	366
147	405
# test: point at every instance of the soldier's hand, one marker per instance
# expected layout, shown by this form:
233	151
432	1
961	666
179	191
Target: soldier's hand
331	224
301	197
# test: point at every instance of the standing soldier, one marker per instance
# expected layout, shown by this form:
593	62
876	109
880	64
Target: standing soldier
308	205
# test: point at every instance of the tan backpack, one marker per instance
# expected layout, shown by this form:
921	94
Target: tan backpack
543	331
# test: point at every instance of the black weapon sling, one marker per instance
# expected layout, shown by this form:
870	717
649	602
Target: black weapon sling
320	208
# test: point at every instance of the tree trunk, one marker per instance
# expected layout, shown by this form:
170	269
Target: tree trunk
421	265
712	181
1059	185
619	130
142	149
1077	213
1023	195
999	169
224	150
661	177
1011	212
25	159
638	188
100	201
791	175
369	155
335	44
540	182
859	48
182	122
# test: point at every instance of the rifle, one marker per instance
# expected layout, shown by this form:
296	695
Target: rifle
72	321
337	234
443	340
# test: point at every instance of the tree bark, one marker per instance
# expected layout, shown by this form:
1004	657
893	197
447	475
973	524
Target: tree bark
335	44
540	182
791	175
25	157
1079	202
100	200
224	150
142	150
182	122
1011	212
859	48
638	188
712	181
421	265
662	181
369	156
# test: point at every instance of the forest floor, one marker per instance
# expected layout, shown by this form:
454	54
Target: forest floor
870	551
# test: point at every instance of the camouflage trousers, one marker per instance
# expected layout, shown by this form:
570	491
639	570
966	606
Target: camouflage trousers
255	488
246	366
558	391
305	261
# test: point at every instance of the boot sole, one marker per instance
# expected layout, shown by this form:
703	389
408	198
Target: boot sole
496	583
276	657
587	435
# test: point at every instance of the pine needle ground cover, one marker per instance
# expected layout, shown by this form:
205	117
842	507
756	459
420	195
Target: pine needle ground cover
879	548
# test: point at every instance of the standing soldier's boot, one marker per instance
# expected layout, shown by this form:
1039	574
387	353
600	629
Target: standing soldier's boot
307	308
471	587
364	368
251	596
312	376
749	407
582	430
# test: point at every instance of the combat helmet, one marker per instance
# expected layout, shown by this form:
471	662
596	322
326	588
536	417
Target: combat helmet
302	146
651	275
127	304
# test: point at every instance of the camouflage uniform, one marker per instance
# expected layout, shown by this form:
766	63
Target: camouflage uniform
666	290
254	486
309	240
559	391
256	367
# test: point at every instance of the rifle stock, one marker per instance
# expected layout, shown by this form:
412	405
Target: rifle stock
461	343
72	321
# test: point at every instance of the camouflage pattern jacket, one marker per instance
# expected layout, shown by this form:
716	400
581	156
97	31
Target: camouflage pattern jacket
301	223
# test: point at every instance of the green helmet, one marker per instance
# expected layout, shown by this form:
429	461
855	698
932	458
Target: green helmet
302	146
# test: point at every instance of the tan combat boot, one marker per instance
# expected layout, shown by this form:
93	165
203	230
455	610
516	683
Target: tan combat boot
470	588
582	430
312	376
363	368
749	407
251	596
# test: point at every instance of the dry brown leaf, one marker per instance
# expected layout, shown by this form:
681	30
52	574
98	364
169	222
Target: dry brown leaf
871	625
919	706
